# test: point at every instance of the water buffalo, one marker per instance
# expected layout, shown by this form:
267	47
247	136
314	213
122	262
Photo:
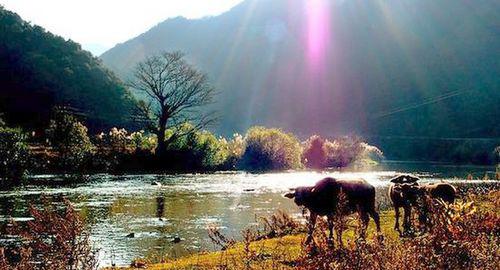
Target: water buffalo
400	195
322	200
443	191
422	193
411	192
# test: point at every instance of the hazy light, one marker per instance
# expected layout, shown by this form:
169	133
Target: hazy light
100	24
318	30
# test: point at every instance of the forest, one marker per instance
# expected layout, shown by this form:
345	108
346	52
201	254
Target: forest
39	70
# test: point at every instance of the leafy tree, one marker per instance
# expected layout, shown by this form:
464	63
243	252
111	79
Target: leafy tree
271	149
176	92
13	153
197	150
69	138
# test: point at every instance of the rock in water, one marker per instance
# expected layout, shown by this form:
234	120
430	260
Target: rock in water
176	240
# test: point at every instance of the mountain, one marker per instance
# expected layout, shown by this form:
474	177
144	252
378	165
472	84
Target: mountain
39	70
414	69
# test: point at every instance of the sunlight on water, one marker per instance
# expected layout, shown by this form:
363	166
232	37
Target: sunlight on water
274	182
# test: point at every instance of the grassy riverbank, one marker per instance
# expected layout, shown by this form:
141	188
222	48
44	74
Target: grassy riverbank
276	253
462	242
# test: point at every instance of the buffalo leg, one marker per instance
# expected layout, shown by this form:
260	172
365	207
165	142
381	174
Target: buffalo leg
339	237
312	222
407	218
364	223
396	225
376	218
330	227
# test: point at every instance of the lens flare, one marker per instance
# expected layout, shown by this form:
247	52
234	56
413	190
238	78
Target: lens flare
318	31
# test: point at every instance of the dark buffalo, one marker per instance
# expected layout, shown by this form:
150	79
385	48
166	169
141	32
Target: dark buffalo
443	191
424	194
322	199
402	198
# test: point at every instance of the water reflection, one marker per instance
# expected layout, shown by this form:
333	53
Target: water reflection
160	206
184	205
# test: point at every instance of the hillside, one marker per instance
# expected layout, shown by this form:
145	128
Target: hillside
39	70
410	71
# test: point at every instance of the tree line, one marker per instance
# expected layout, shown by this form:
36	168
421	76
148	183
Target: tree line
70	149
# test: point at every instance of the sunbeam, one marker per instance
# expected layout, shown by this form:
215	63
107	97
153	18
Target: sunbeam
318	31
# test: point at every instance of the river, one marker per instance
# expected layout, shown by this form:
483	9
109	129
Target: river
184	205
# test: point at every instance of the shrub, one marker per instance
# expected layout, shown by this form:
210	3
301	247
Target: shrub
314	155
13	153
270	149
341	152
117	140
234	149
52	240
118	149
142	141
197	149
69	138
371	153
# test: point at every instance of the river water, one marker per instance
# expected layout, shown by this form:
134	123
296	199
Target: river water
185	205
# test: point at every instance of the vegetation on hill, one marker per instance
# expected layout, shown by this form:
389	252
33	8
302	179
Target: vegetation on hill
39	70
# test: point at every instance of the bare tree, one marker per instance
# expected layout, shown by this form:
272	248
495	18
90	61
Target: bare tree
176	92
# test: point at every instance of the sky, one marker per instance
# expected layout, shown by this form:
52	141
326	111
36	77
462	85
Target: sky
100	24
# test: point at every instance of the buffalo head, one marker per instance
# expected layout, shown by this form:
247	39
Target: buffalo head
410	191
404	179
300	195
